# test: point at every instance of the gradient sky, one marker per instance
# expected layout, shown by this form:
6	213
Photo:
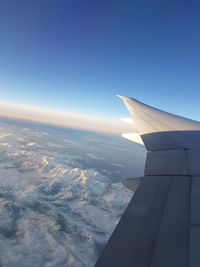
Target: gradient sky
77	55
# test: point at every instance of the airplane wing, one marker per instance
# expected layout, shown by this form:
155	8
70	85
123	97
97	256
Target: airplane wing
161	225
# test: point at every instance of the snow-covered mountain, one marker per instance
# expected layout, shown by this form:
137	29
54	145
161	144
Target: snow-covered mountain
60	196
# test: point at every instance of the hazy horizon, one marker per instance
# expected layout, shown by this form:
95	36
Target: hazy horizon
65	118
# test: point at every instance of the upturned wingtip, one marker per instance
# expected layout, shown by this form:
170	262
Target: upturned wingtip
122	97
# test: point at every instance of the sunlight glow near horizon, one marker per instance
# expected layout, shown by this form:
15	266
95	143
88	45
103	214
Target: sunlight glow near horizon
64	118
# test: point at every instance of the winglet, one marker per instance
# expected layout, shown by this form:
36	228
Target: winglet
156	126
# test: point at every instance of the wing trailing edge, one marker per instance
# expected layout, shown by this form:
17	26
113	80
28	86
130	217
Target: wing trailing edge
135	137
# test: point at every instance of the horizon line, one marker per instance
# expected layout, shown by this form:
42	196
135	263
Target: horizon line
64	118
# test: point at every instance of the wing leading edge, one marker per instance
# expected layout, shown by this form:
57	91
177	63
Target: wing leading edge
161	225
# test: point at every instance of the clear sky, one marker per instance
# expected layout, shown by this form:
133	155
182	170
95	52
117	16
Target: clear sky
76	55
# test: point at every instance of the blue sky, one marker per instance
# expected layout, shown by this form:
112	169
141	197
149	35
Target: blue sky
77	55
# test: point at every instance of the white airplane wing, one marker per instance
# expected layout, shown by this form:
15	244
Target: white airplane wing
161	225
